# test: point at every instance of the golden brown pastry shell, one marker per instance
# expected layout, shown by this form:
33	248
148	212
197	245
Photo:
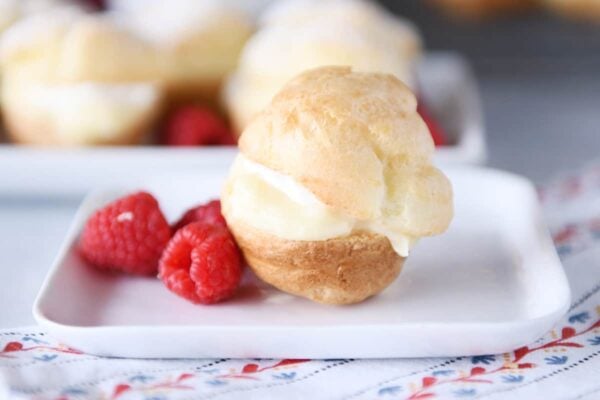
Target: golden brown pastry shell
339	271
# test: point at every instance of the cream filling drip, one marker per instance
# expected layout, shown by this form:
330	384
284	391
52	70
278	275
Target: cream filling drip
276	204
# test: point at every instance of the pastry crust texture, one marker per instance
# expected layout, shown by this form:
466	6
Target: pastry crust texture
342	135
356	142
339	271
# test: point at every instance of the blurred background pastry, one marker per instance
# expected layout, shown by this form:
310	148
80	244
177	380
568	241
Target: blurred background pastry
198	41
183	50
75	79
400	34
298	35
334	184
578	9
14	10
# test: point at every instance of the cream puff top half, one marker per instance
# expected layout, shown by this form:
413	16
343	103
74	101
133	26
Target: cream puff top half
68	45
300	35
278	53
142	45
398	33
338	151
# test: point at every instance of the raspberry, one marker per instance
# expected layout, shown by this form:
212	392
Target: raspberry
94	5
228	140
201	263
209	213
127	235
437	133
196	126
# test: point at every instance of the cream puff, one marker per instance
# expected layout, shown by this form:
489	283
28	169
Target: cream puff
334	185
400	34
198	41
360	13
588	10
300	35
75	79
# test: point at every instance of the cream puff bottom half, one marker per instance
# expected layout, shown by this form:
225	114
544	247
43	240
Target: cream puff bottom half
341	270
79	114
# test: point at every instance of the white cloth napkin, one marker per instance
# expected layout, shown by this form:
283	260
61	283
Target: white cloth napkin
564	364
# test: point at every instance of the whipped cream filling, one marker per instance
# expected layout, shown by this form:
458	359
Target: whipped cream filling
277	204
88	110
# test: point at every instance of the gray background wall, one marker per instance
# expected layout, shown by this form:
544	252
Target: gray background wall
540	82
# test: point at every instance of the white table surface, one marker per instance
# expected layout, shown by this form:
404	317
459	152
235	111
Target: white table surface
536	126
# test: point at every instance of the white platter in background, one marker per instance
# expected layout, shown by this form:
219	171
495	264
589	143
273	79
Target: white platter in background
446	83
492	283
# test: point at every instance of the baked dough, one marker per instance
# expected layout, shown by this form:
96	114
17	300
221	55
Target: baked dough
74	79
336	271
356	142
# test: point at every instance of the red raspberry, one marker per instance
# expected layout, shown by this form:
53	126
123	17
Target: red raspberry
209	213
228	140
201	263
437	133
96	5
127	235
101	4
196	126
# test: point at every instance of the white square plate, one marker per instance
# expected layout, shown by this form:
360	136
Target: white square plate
445	81
492	283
